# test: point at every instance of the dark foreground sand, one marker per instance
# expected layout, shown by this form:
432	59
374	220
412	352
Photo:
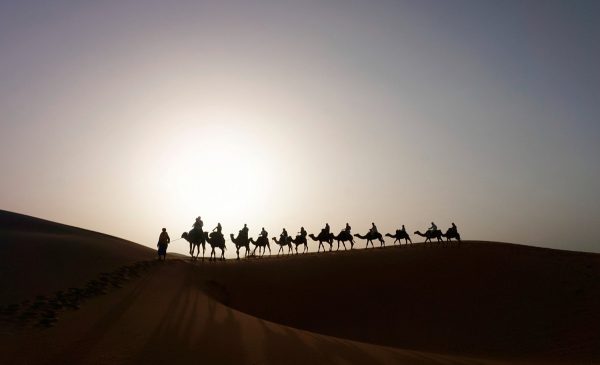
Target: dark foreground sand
480	303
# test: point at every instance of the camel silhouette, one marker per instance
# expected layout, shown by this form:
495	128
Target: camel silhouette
300	240
196	238
342	237
323	237
287	242
370	237
450	234
399	236
260	243
240	242
215	240
437	234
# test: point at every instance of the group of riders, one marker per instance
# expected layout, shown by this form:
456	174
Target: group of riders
164	239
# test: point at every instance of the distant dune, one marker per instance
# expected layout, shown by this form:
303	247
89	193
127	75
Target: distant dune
39	256
480	303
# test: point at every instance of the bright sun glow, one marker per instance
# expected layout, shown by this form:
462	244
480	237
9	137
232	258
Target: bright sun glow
217	167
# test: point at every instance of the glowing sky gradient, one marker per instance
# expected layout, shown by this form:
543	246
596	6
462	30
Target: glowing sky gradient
127	116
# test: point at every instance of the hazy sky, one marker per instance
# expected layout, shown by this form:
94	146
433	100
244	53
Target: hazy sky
127	116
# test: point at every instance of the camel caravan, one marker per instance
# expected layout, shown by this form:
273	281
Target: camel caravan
197	238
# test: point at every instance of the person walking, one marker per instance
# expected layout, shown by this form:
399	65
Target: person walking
163	242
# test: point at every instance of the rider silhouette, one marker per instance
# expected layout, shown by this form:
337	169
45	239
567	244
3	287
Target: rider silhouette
264	233
373	229
198	224
454	229
433	227
403	229
348	228
218	228
302	232
326	230
244	231
284	235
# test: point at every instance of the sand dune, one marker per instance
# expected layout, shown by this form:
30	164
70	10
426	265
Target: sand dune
481	299
40	256
166	317
479	303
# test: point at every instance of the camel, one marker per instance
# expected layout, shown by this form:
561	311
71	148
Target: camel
343	237
215	239
300	240
437	234
240	242
323	237
260	243
195	239
451	233
399	236
370	237
287	242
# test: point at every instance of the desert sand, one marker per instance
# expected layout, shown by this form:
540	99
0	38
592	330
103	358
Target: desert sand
477	303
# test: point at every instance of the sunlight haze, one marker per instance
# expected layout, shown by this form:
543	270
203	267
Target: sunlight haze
128	116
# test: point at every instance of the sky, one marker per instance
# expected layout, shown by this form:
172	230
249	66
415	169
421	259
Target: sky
128	116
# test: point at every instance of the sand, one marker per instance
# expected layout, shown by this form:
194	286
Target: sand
477	303
40	257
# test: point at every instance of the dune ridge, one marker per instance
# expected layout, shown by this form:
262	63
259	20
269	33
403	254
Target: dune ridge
473	303
41	257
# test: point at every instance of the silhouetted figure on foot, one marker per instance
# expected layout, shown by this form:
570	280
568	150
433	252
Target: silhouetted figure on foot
163	242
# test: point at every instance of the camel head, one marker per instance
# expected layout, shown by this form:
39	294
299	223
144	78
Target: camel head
185	236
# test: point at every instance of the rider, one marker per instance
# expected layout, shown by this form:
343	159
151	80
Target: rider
348	228
244	231
218	228
264	233
454	229
326	230
198	224
284	235
373	229
302	232
433	227
403	229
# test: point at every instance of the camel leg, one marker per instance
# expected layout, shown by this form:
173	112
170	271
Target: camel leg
237	252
